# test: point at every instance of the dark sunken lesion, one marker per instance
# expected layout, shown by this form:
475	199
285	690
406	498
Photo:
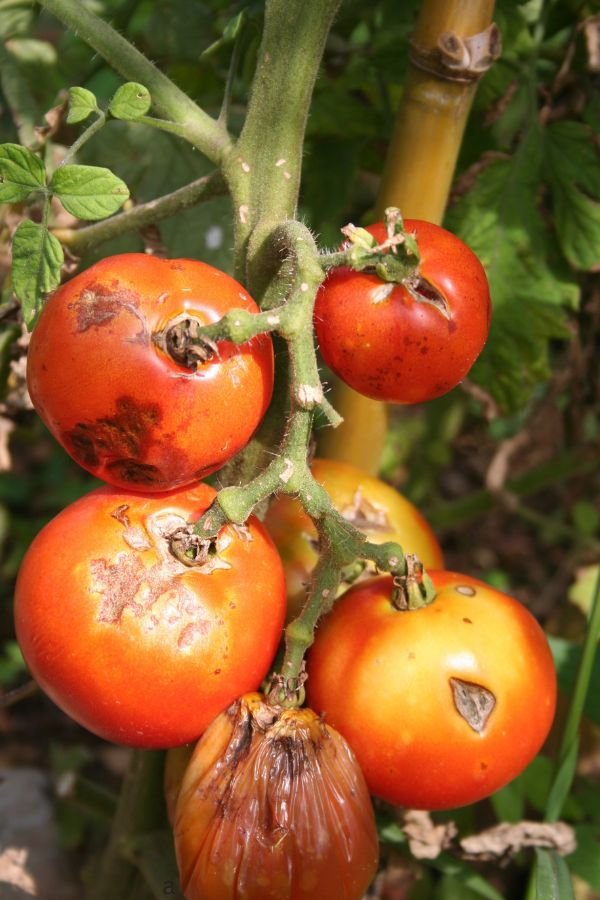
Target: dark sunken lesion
117	441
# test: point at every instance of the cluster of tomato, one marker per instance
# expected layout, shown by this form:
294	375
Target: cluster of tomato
440	706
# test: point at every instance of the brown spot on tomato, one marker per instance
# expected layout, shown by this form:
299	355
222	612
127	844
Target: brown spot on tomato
134	472
473	702
467	620
191	632
99	304
114	438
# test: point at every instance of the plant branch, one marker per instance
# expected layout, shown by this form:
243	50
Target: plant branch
80	240
169	101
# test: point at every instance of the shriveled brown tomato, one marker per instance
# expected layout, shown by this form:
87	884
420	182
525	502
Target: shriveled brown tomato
273	806
115	374
133	644
409	342
442	705
371	505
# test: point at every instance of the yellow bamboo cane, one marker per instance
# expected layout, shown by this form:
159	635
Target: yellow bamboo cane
453	44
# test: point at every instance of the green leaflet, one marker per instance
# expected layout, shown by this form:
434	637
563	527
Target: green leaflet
37	260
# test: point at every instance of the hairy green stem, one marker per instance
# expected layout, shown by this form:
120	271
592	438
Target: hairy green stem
264	168
80	240
84	137
169	101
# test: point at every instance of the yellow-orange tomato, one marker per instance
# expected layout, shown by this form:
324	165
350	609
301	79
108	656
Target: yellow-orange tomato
113	374
133	644
373	506
442	705
273	806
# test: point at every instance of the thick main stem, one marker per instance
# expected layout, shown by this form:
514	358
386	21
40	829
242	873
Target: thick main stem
265	166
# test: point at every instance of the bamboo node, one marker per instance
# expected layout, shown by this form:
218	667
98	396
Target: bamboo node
459	58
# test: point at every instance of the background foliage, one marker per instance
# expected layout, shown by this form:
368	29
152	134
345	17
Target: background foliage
506	469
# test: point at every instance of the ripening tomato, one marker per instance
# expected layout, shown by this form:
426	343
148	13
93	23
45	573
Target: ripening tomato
133	644
409	342
273	806
442	705
371	505
115	375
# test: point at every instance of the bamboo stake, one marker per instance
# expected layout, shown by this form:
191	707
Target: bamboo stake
453	44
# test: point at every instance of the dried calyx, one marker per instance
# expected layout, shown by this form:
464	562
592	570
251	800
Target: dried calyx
182	341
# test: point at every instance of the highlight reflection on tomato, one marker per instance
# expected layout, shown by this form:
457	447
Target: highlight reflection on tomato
442	705
409	342
114	374
133	644
371	505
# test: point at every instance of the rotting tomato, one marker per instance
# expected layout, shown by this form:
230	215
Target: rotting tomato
371	505
273	806
442	705
134	645
409	342
115	377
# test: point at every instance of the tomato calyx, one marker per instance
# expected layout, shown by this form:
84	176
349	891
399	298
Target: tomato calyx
413	589
181	339
284	692
193	551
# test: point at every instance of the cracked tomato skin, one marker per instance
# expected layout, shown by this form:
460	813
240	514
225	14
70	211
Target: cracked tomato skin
389	346
442	705
117	402
132	644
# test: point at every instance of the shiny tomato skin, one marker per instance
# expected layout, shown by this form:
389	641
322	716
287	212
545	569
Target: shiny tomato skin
387	680
132	644
116	401
389	346
377	509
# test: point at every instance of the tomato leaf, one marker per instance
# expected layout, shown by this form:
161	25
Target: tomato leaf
561	784
585	859
566	659
552	878
37	258
131	101
89	192
21	172
82	103
572	166
530	288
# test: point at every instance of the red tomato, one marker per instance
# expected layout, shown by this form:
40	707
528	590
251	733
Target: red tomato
273	806
132	644
122	406
442	705
389	341
374	507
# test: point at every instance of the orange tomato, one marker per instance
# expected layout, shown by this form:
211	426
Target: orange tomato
442	705
133	644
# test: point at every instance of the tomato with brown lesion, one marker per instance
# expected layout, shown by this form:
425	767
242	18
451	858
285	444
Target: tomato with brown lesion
119	397
130	642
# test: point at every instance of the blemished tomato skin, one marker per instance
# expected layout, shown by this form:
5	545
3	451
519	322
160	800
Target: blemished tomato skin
137	647
119	403
387	681
374	507
388	345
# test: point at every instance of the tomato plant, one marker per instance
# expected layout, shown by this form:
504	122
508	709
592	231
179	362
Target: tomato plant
442	705
133	644
273	805
115	374
371	505
408	342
